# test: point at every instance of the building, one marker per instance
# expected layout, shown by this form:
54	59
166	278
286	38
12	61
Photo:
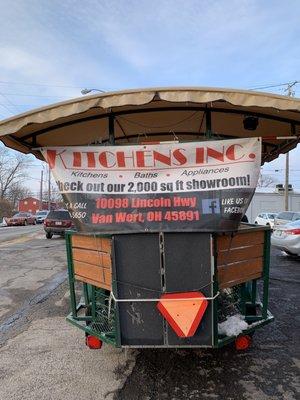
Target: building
32	205
272	200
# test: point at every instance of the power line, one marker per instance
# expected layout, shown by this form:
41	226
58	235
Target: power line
267	86
290	88
7	109
59	85
9	101
21	105
274	85
33	95
40	84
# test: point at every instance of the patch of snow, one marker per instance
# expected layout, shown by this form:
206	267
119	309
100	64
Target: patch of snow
233	325
3	223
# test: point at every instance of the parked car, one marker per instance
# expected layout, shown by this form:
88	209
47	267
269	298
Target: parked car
41	216
286	217
265	219
57	222
287	238
21	218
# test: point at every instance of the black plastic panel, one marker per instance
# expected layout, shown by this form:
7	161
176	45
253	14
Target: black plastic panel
187	258
137	272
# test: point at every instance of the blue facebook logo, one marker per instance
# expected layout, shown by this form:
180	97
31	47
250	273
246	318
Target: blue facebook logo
211	206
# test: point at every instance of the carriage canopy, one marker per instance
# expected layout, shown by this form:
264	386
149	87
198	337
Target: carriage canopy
140	115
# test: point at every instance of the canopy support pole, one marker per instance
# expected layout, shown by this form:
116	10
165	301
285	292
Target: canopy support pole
208	131
34	144
111	129
286	182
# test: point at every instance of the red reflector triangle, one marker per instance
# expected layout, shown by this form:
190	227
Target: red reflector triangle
184	316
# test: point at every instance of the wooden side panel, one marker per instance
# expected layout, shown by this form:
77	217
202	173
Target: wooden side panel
240	258
240	254
92	260
233	274
89	271
92	243
92	257
240	240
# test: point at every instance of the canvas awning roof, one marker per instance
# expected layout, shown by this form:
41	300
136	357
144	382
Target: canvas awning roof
132	116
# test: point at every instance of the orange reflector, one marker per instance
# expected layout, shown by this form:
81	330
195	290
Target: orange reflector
242	342
184	316
93	342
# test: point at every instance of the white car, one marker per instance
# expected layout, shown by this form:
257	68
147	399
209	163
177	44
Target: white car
266	219
41	216
287	238
286	217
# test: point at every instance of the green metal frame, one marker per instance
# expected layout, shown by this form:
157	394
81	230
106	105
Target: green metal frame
248	298
91	313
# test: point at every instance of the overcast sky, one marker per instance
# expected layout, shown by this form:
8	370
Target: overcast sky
49	50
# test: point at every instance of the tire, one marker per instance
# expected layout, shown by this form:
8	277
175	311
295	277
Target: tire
256	222
49	235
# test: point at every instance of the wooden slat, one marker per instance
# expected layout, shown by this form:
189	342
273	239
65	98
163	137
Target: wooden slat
239	254
92	243
92	282
92	257
107	275
239	272
238	281
240	240
92	272
89	271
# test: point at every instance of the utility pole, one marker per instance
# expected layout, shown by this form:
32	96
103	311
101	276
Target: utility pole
41	191
286	183
291	93
49	190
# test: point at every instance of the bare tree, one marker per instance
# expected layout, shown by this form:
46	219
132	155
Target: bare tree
13	170
56	197
6	209
17	192
265	181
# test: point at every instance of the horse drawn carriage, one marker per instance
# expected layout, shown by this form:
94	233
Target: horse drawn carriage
157	182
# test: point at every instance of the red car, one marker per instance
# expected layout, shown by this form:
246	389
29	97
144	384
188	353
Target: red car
57	222
21	218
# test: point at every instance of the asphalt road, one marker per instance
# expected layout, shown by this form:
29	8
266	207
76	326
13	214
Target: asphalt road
13	232
43	357
30	266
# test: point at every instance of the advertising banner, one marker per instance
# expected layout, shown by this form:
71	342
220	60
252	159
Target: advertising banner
197	186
